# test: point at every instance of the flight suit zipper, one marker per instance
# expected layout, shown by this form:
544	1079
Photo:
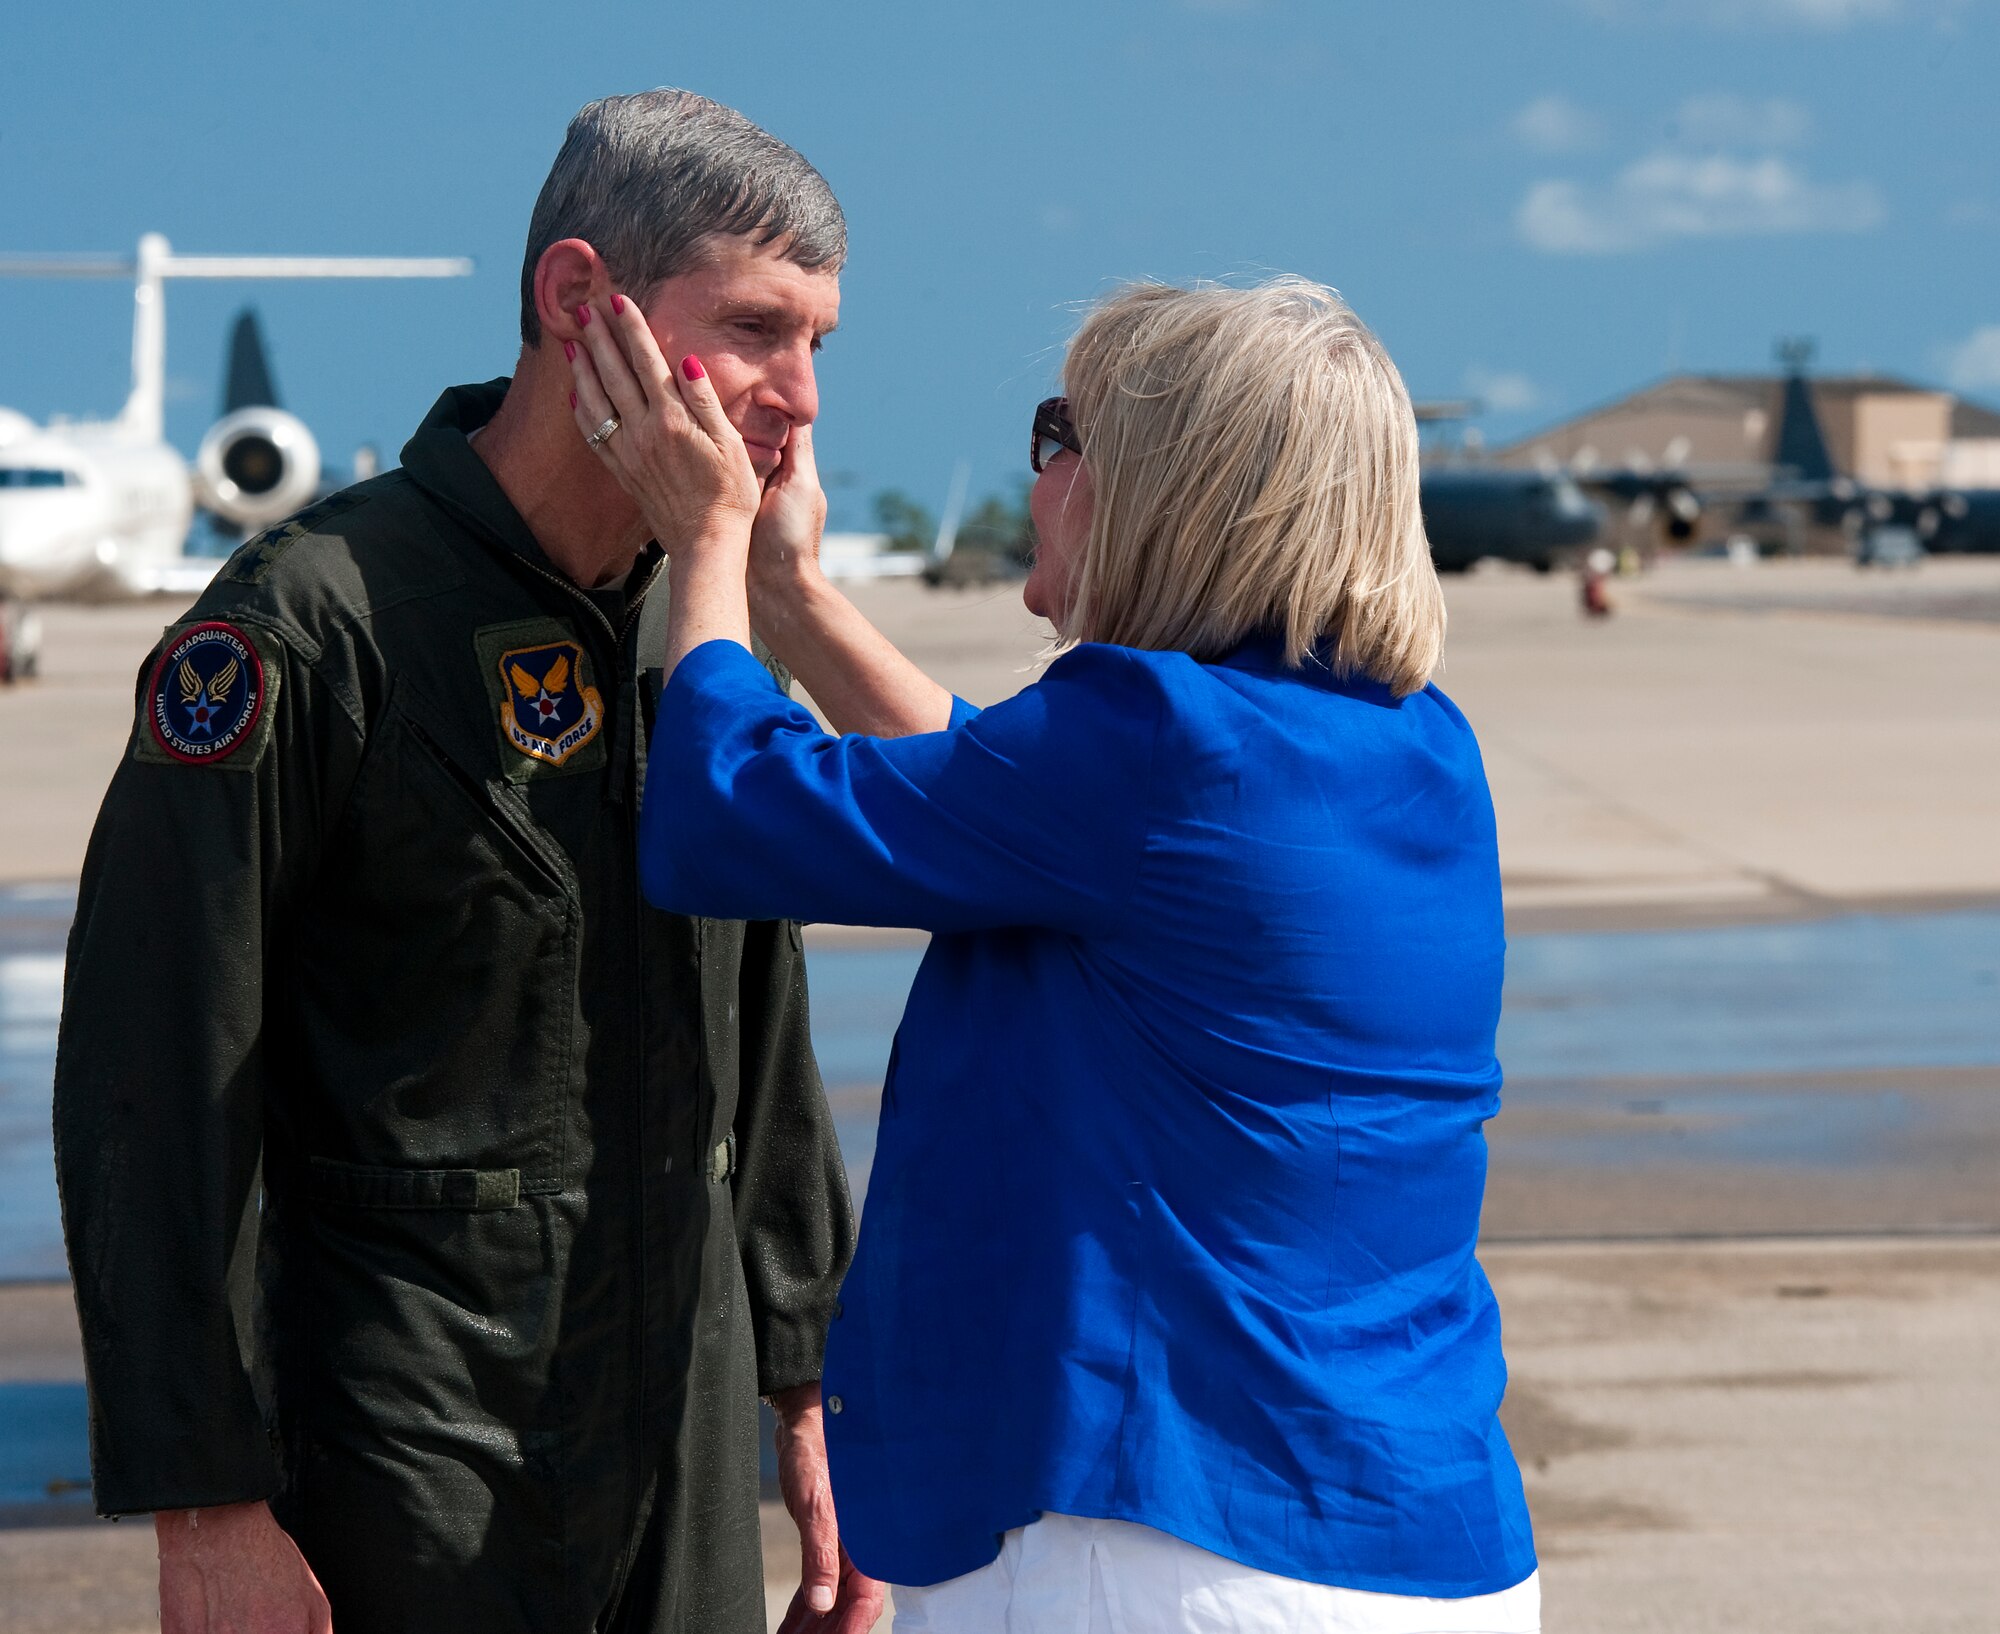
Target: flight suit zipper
625	795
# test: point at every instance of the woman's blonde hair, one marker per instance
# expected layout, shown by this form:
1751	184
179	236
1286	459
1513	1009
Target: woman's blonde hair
1253	457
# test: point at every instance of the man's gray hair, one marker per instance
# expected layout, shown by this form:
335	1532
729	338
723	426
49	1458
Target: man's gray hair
645	179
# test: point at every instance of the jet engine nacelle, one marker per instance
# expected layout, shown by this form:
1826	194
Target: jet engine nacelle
1683	511
257	466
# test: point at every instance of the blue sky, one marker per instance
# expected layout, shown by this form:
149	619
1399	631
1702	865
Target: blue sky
1543	202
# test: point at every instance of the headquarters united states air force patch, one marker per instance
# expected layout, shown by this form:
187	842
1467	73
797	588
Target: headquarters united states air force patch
207	697
550	715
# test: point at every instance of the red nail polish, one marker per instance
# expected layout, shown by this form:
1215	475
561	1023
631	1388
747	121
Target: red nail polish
691	368
572	399
569	350
583	316
618	303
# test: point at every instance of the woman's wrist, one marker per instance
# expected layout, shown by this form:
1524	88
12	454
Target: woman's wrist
783	595
788	575
708	599
720	540
707	578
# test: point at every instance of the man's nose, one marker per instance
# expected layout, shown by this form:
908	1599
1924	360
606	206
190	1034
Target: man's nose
793	387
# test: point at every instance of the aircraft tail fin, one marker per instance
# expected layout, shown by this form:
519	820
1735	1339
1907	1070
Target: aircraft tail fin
954	508
248	383
1801	447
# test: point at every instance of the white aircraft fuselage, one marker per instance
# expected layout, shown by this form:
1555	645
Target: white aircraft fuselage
88	508
104	507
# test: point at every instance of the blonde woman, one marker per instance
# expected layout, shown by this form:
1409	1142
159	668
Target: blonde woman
1165	1313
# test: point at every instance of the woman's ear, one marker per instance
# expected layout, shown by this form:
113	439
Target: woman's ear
569	274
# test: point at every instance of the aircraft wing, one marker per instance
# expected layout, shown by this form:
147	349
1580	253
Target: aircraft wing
1628	482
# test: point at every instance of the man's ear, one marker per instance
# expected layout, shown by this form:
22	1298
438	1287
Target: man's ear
569	274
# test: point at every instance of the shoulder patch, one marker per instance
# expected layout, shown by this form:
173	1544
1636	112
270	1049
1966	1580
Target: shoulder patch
257	556
208	698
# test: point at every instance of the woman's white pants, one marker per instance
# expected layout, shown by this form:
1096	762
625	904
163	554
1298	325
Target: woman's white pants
1065	1575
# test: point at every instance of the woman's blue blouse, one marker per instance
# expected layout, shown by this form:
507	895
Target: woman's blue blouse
1181	1155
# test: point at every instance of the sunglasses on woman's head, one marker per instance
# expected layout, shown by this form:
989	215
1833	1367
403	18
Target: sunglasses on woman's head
1054	432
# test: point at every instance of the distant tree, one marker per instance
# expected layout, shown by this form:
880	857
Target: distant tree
995	540
1001	526
908	525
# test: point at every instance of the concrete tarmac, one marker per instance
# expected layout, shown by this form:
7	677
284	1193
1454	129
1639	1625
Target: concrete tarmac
1766	1437
1769	1430
1731	744
1715	748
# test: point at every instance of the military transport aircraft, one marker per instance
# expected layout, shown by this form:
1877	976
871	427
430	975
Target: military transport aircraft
1473	511
1542	516
1801	484
1945	519
1536	517
97	507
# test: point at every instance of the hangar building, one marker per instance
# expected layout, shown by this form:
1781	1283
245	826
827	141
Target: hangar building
1880	429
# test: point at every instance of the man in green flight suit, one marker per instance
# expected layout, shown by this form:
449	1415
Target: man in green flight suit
437	1210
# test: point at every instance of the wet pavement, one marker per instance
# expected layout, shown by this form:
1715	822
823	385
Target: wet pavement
34	920
42	1454
1840	1075
1834	1074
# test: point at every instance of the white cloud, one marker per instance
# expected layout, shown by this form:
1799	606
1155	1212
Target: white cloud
1721	119
1667	196
1735	14
1826	13
1500	391
1974	363
1554	124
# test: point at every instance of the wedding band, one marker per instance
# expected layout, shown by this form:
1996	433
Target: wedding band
602	435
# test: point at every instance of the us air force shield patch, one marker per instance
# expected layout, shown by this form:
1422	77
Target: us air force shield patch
550	713
207	694
551	716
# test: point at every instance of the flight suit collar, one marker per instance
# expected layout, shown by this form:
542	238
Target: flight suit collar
442	461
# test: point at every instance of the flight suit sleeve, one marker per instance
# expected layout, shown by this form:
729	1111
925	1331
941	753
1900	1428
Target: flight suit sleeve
794	1218
209	831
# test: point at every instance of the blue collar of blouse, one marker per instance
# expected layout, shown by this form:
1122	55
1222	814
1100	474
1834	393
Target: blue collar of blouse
1265	655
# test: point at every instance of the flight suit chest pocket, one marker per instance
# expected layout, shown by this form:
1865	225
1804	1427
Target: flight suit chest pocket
448	967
